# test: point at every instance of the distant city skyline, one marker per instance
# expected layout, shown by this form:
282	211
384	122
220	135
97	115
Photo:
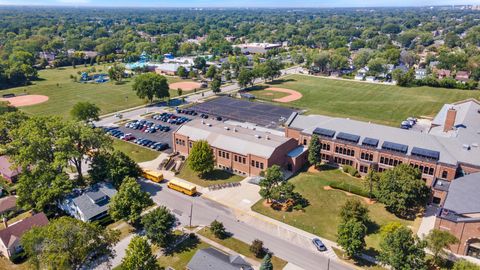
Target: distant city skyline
245	3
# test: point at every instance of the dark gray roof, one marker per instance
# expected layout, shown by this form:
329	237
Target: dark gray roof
214	259
463	195
94	201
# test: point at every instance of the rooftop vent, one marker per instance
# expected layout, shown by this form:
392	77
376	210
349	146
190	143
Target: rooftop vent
257	136
209	124
267	137
203	122
474	144
226	128
466	147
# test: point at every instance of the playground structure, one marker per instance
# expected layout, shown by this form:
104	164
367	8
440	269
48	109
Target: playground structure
97	78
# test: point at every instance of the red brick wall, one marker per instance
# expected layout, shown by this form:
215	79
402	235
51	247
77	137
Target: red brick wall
464	231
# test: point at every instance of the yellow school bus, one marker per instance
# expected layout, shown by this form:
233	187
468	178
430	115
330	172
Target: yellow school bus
153	175
183	187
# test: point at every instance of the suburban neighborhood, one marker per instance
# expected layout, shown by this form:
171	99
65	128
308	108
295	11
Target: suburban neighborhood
239	137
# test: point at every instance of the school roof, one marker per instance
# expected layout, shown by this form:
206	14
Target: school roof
463	195
11	235
451	149
232	138
214	259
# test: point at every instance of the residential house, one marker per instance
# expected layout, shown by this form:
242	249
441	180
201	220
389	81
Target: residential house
90	204
257	48
443	73
7	204
11	235
462	76
214	259
420	73
6	170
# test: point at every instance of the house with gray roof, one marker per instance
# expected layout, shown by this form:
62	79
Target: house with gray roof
89	204
214	259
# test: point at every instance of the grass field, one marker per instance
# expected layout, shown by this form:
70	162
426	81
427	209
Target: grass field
217	176
241	248
137	153
321	217
378	103
64	93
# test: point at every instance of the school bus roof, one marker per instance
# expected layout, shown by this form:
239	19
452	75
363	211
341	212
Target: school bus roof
153	173
182	183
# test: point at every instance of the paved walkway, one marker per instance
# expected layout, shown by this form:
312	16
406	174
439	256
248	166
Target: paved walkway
428	221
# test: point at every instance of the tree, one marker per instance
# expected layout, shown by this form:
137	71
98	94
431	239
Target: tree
113	167
216	84
139	255
129	201
85	111
199	63
377	66
463	264
371	182
201	159
389	228
182	72
116	72
217	228
437	241
351	236
245	78
257	248
402	190
158	226
354	209
150	85
314	149
403	78
211	72
267	262
321	61
402	250
68	243
273	177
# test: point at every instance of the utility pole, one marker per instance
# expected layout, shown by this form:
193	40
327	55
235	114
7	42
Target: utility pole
191	213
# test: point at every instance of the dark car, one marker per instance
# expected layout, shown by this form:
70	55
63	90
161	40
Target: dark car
319	244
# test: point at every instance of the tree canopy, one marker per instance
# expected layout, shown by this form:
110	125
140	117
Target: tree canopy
129	202
201	159
151	85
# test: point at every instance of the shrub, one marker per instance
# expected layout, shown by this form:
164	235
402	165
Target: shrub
351	170
257	248
218	229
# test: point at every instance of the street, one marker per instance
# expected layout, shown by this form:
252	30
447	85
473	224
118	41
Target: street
205	211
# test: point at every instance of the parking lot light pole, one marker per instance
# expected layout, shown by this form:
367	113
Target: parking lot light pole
191	213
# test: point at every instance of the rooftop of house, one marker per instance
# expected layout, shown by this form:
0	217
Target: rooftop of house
7	203
6	167
94	200
451	149
463	195
12	234
233	138
214	259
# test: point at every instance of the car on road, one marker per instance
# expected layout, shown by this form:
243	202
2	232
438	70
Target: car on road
319	244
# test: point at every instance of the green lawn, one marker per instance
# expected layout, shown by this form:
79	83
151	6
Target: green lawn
321	217
382	104
217	176
240	247
137	153
63	93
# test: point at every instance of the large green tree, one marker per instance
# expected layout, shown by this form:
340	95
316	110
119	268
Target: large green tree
216	84
85	111
139	255
402	250
402	190
68	243
314	149
113	167
463	264
273	177
351	236
116	72
266	262
129	202
201	159
150	85
438	241
354	209
158	226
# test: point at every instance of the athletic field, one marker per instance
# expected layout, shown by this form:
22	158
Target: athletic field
378	103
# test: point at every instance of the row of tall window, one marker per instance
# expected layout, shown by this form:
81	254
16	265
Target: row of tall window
390	161
344	151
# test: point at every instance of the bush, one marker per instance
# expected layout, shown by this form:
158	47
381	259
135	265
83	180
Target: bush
350	170
349	188
218	229
257	248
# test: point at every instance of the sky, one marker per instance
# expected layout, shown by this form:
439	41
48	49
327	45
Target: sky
243	3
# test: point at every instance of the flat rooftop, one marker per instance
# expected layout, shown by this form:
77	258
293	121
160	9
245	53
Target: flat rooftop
233	138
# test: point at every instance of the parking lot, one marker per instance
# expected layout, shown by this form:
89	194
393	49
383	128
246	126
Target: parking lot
152	131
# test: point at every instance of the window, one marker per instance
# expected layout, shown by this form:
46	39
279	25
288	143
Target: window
444	174
363	169
304	141
261	166
257	164
244	161
190	144
235	158
253	163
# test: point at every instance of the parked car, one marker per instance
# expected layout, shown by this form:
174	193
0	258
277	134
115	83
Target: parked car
319	244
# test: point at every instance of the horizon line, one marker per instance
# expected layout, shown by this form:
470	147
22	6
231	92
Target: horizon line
226	7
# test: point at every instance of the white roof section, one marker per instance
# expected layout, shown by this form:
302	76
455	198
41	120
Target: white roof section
451	149
233	138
